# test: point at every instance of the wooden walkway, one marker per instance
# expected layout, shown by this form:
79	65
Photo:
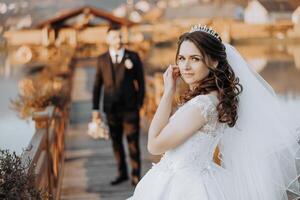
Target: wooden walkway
89	167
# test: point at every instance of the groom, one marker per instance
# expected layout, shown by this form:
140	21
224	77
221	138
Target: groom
120	72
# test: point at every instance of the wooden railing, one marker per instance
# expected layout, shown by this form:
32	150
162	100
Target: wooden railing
46	149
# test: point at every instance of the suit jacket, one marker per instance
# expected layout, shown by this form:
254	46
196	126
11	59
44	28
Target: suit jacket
124	87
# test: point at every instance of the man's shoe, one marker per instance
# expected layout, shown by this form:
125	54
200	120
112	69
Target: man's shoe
119	180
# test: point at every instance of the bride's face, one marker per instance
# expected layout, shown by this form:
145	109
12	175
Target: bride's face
191	63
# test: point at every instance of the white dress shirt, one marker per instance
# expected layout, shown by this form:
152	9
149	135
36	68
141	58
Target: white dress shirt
119	52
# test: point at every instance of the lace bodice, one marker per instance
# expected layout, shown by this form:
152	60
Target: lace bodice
197	152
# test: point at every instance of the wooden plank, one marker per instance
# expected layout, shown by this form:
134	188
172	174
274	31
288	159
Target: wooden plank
60	177
35	146
41	170
95	11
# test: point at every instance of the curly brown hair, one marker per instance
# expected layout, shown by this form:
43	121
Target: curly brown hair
220	78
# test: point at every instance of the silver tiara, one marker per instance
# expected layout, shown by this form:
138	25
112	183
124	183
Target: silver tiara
206	29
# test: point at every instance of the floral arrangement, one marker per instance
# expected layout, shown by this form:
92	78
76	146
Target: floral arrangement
36	93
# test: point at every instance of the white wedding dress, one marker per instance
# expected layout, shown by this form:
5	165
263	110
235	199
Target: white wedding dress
259	155
188	171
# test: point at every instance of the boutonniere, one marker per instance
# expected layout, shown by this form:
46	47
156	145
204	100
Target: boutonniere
128	63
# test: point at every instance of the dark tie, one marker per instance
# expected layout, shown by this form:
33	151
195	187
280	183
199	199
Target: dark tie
116	60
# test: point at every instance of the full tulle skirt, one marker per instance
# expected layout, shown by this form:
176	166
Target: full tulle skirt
181	184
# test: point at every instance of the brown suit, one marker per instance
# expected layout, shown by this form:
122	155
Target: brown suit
124	91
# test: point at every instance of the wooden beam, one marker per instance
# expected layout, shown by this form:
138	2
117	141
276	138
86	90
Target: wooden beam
95	11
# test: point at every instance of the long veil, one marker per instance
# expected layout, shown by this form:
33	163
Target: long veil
260	151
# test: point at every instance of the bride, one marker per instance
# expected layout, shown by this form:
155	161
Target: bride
228	106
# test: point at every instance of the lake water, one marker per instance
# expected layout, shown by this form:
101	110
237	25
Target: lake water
15	133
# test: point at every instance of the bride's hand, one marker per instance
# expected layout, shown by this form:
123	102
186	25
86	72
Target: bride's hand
170	76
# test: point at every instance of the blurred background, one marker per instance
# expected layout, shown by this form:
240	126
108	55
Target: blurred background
48	53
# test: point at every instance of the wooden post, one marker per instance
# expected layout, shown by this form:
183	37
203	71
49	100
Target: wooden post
45	36
42	119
